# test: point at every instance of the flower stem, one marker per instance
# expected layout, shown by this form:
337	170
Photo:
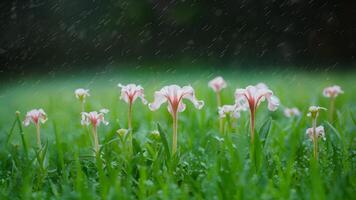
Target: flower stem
315	140
38	136
331	109
175	132
221	121
82	104
252	122
96	140
129	117
129	121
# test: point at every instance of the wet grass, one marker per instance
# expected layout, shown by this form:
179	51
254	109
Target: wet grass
209	165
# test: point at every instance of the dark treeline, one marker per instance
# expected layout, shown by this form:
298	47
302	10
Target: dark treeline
54	32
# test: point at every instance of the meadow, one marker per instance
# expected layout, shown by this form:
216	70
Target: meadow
207	165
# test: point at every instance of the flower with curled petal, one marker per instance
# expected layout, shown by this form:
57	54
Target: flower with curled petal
254	96
129	93
174	95
81	94
332	91
37	117
217	84
233	111
94	118
291	112
229	113
314	113
319	132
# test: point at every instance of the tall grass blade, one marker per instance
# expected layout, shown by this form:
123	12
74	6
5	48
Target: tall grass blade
164	141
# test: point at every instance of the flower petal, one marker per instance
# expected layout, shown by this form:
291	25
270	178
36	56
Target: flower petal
217	84
188	93
273	103
159	99
181	107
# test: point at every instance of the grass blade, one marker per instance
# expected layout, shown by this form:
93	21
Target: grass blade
164	141
353	118
11	131
19	123
264	130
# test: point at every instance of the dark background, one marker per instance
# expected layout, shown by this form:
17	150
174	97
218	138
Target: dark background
47	34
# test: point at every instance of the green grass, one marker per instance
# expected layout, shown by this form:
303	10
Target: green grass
209	165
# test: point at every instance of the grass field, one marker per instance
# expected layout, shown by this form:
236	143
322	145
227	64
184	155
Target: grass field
208	165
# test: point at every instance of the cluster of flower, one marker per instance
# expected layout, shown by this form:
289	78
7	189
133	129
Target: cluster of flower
248	98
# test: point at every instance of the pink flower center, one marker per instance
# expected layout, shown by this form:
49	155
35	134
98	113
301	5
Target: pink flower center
130	95
93	120
35	119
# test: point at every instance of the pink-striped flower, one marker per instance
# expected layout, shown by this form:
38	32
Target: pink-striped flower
130	92
332	91
217	84
254	96
291	112
94	118
36	116
319	133
174	95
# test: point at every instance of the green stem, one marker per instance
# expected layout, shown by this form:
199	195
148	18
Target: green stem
315	140
129	117
175	132
221	121
21	133
82	104
331	109
129	121
39	145
96	140
252	122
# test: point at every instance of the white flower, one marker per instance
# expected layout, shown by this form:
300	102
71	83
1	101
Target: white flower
35	116
174	95
332	91
231	111
254	95
217	84
320	132
81	94
130	92
94	118
291	112
314	111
